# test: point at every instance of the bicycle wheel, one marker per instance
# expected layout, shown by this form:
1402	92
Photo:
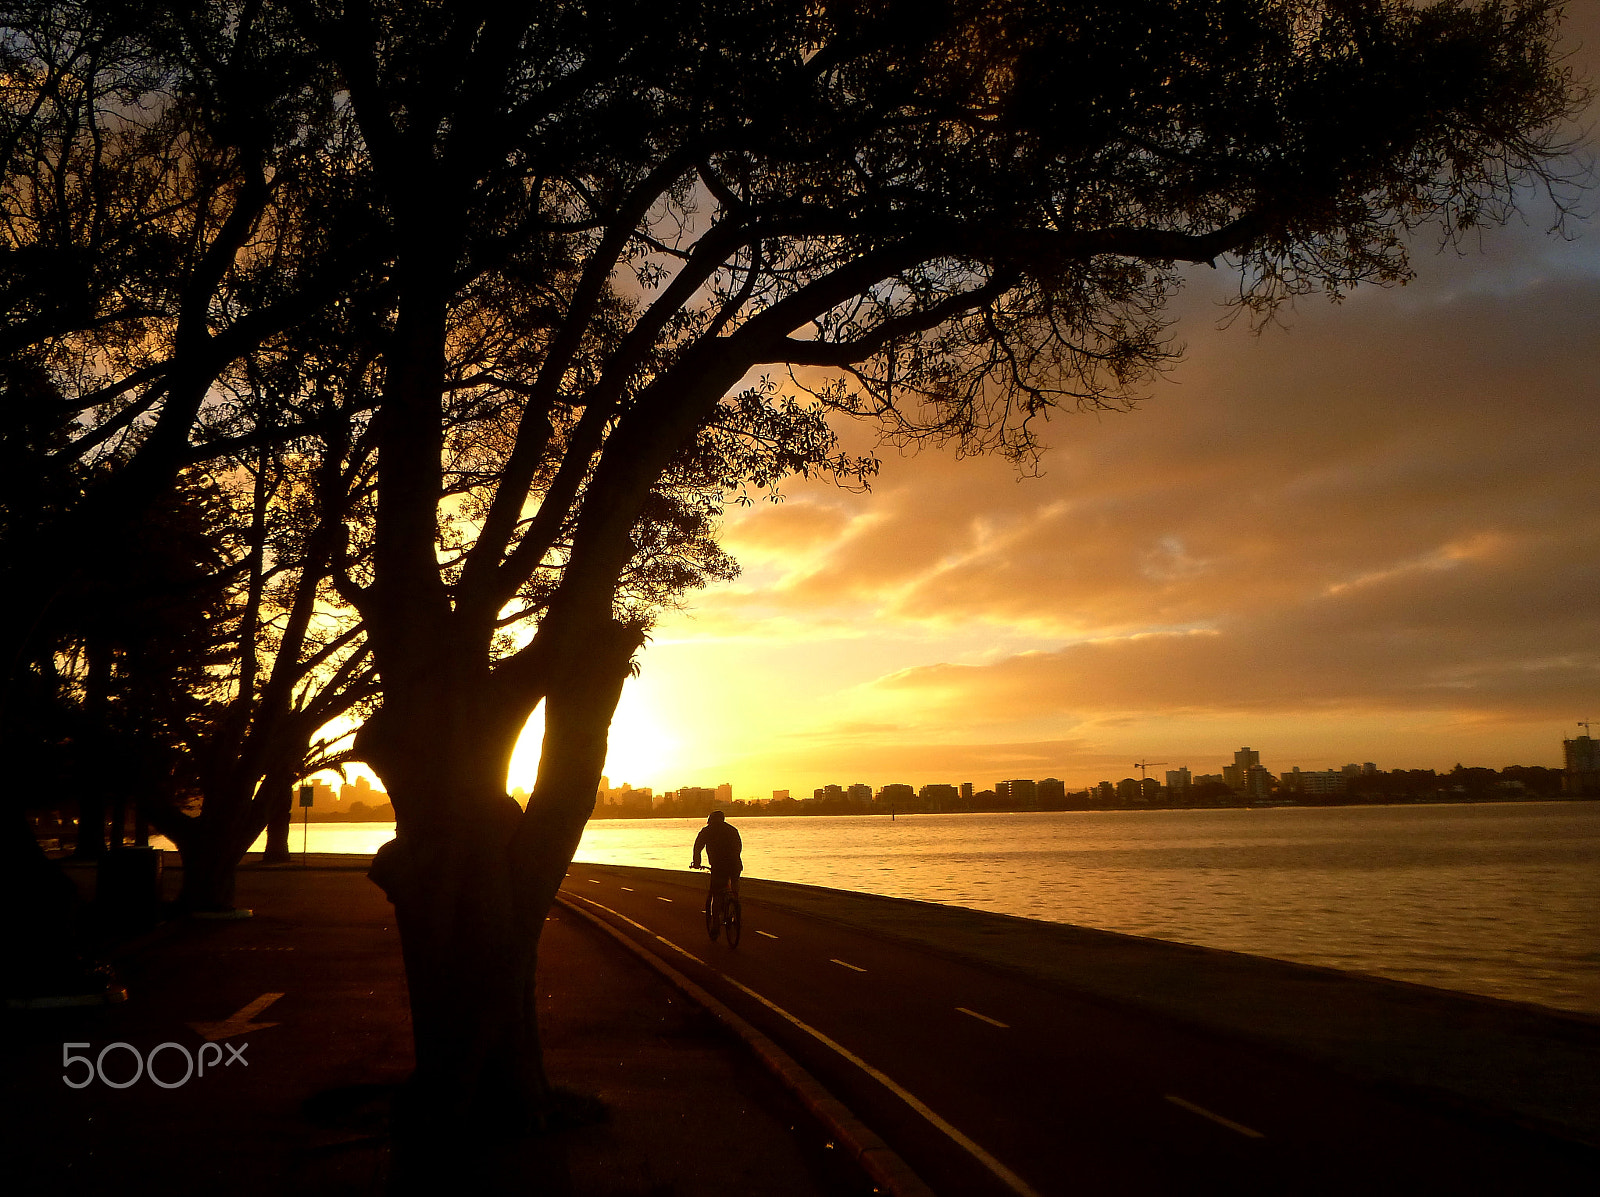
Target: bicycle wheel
713	917
730	921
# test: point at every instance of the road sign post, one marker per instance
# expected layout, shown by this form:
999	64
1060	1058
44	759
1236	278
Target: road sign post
306	794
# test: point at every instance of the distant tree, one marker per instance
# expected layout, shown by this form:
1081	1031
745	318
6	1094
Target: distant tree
1539	779
1475	781
1210	793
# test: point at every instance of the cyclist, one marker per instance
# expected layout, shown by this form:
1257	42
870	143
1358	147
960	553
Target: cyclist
720	841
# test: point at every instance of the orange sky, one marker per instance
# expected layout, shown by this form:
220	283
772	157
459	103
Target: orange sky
1372	536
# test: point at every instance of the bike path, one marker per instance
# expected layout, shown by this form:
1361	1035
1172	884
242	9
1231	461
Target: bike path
988	1083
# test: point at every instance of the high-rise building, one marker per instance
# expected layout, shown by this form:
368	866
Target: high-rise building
1257	782
1178	779
1237	775
1582	772
1023	791
860	794
1315	782
780	795
360	790
725	792
1052	792
966	791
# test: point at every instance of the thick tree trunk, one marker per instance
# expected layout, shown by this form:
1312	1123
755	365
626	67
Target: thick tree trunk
448	873
472	879
213	844
279	800
91	840
209	879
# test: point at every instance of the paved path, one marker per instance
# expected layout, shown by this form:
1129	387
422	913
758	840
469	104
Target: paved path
314	992
991	1083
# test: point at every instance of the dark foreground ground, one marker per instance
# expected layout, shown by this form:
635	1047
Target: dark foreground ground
689	1111
995	1056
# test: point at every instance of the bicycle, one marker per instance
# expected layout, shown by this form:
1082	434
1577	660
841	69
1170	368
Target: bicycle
723	913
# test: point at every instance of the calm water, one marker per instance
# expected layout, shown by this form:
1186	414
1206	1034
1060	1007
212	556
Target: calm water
1495	899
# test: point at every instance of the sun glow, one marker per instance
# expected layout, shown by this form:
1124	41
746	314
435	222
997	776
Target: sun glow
639	752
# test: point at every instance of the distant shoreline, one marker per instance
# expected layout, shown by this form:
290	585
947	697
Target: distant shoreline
807	807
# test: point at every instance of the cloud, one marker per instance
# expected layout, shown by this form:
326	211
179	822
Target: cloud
1375	530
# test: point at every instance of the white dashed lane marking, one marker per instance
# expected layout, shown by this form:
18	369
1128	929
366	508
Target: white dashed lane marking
768	934
627	889
1246	1131
1012	1181
847	964
993	1022
659	898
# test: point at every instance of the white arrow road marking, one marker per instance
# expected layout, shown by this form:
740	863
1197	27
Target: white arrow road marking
239	1022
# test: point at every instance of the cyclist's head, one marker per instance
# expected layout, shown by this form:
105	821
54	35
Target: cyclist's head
716	816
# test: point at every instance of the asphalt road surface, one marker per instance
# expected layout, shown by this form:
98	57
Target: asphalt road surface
988	1083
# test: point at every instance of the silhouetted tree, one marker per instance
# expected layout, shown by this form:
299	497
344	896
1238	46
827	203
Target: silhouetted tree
948	218
295	664
169	204
116	666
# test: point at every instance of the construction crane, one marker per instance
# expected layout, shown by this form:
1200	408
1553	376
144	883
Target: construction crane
1142	765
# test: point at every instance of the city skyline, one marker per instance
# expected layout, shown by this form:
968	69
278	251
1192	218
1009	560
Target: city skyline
920	772
1581	747
1548	754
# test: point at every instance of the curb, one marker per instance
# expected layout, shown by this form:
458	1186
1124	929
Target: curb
880	1162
